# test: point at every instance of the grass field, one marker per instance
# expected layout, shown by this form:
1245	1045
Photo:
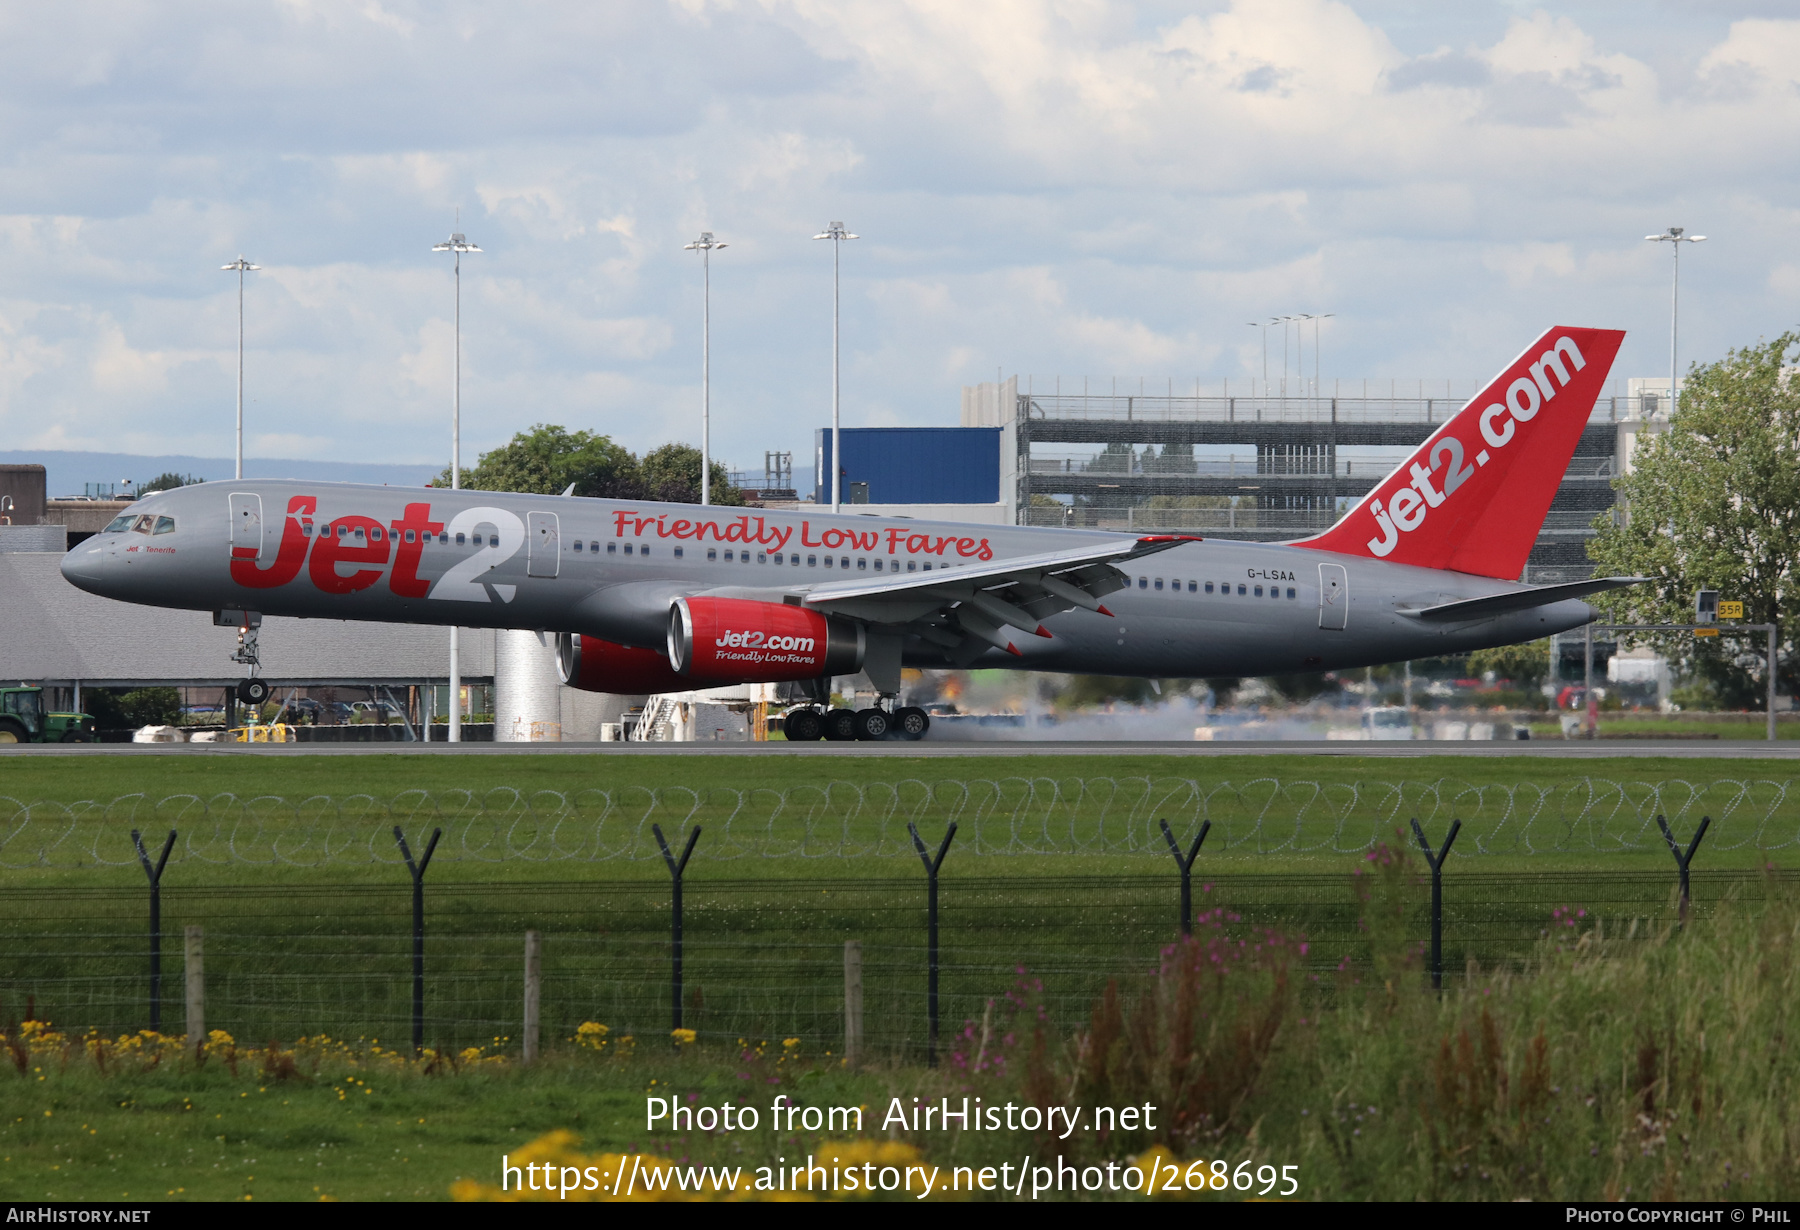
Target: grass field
1604	1066
1057	871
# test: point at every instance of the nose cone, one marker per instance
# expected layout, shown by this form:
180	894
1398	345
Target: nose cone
85	566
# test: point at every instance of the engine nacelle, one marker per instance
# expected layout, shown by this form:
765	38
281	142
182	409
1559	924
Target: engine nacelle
735	640
594	665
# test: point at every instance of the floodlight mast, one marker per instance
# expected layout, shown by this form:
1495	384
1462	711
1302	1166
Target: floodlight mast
706	245
457	244
837	234
241	266
1674	237
1317	387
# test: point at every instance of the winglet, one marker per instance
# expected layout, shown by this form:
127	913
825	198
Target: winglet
1148	539
1043	632
1102	609
1013	650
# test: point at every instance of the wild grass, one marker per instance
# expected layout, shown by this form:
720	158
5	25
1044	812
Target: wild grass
1608	1064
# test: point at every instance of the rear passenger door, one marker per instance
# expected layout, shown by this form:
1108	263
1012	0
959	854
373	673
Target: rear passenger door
1334	597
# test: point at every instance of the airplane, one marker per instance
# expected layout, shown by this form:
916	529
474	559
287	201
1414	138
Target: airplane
647	597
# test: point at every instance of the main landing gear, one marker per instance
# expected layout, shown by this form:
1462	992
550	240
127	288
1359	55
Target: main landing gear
809	724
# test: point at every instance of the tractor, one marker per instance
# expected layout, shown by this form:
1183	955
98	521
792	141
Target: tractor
23	720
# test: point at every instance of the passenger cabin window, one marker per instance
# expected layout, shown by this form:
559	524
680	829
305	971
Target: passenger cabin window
1159	582
643	548
712	553
165	525
761	557
862	564
578	546
812	561
628	548
678	551
1143	582
1209	587
777	557
459	540
1290	593
1241	589
612	548
1192	586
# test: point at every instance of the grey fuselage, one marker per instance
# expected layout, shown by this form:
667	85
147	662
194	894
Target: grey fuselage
498	560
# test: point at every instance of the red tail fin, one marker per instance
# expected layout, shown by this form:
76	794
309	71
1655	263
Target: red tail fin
1474	495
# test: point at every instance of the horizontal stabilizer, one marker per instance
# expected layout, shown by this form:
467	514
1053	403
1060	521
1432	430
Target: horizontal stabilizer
1520	599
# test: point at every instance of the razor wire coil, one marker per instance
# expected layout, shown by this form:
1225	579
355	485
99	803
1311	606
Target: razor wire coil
847	820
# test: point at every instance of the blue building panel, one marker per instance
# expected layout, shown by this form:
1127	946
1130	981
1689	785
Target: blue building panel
912	465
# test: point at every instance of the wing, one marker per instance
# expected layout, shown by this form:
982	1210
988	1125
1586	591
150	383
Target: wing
966	608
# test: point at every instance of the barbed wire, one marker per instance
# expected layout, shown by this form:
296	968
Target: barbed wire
848	820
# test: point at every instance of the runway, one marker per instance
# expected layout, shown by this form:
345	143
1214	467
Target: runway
932	749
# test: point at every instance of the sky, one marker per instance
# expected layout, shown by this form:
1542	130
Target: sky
1073	189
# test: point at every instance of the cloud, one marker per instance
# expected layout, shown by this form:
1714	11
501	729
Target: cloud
1046	185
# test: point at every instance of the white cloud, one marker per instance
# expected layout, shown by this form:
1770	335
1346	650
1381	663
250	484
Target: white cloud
1048	185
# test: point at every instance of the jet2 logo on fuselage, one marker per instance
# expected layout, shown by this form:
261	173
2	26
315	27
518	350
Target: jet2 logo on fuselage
369	548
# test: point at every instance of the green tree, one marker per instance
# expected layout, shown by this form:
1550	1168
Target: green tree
546	459
168	481
672	473
1714	503
1525	665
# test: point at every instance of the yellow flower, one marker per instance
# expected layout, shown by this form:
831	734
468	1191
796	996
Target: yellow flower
683	1037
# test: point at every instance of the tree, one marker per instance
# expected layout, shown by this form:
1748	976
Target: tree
1525	665
169	481
672	473
1714	503
546	459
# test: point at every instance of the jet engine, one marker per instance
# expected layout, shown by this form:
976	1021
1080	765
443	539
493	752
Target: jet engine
735	640
594	665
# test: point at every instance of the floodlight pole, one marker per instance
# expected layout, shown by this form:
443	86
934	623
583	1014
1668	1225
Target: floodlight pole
837	234
457	245
1257	324
705	245
241	266
1674	237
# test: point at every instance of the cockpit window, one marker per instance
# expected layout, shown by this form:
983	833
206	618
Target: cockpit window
118	525
165	525
143	524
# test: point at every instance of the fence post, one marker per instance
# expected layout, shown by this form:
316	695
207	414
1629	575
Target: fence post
194	964
418	878
1186	864
931	929
853	1014
534	991
1682	860
155	875
1436	862
676	868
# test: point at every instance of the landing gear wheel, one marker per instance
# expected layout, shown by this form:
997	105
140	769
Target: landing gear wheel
872	725
911	723
253	691
11	731
803	726
840	726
